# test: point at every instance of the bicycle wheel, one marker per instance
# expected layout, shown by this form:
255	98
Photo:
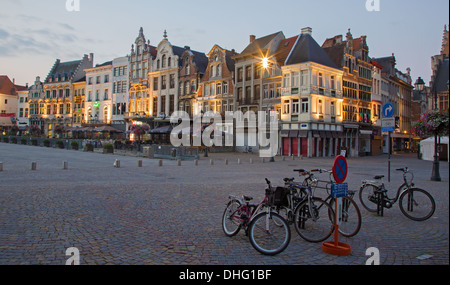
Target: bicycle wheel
417	204
368	197
231	219
267	236
351	217
315	223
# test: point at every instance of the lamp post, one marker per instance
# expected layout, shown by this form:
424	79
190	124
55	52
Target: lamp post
435	174
265	65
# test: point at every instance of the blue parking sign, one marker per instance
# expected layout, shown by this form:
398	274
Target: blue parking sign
339	190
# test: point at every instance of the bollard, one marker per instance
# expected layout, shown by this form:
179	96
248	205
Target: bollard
160	163
140	163
196	162
33	166
211	162
226	161
239	161
1	166
117	163
179	162
251	160
65	165
263	160
284	158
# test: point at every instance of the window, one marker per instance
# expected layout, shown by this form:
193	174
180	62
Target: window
61	109
295	106
163	61
155	83
163	82
305	105
333	83
286	80
240	74
172	81
225	87
304	78
106	95
219	88
98	80
106	79
248	73
295	79
320	80
333	109
68	108
60	93
218	70
286	107
319	106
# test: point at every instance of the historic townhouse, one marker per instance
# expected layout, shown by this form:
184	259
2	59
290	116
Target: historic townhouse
120	96
352	56
440	76
140	63
175	72
23	109
377	105
79	100
257	58
311	101
99	86
397	89
216	92
192	69
8	103
58	89
36	98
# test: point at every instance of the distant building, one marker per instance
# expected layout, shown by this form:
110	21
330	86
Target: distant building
36	102
440	77
59	93
9	103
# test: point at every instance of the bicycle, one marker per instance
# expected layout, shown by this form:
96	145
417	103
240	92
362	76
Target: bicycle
269	233
415	203
351	219
313	217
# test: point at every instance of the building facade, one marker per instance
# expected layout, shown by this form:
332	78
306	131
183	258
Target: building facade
311	101
120	96
352	56
98	102
58	89
36	99
8	104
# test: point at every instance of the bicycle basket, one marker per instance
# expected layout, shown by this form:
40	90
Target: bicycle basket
278	197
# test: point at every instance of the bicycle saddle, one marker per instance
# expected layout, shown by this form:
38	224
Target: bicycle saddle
248	198
299	170
378	177
288	179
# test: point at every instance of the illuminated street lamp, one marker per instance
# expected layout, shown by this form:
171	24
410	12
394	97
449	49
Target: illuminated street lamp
265	65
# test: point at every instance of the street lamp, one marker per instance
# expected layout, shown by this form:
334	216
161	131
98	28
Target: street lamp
265	65
435	175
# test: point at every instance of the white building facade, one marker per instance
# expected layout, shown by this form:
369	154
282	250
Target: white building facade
99	86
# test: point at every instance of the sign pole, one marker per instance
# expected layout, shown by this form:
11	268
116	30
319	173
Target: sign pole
389	159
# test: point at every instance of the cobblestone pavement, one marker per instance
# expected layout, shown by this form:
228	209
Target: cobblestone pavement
172	214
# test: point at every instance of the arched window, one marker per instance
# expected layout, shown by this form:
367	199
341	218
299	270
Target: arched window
163	61
169	63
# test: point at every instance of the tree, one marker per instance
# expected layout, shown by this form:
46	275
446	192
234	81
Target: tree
139	130
432	123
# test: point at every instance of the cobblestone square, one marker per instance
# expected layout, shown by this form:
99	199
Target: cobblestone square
171	215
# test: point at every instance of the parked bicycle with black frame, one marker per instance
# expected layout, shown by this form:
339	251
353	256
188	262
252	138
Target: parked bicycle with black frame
416	204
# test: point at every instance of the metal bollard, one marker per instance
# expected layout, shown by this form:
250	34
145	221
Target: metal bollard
251	160
33	166
1	166
211	162
226	161
140	163
196	162
160	163
65	165
239	161
117	163
179	162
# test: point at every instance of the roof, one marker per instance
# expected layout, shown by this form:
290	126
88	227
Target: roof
200	58
64	68
284	49
388	64
259	44
442	76
306	49
6	86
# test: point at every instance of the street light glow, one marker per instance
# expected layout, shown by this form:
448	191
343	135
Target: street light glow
265	62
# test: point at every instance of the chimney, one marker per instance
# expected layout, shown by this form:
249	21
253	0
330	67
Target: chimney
91	57
252	38
306	31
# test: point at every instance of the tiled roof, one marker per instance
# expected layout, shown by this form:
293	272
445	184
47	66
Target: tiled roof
284	49
307	49
259	44
200	58
6	86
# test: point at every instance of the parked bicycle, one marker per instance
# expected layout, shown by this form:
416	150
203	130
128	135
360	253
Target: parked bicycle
351	219
312	217
416	204
269	233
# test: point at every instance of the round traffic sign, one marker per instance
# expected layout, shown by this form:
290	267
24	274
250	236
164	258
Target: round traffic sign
340	169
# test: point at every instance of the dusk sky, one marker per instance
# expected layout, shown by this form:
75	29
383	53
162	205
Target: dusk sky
33	34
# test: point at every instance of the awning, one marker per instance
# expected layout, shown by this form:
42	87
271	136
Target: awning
303	134
284	134
162	130
108	129
293	134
